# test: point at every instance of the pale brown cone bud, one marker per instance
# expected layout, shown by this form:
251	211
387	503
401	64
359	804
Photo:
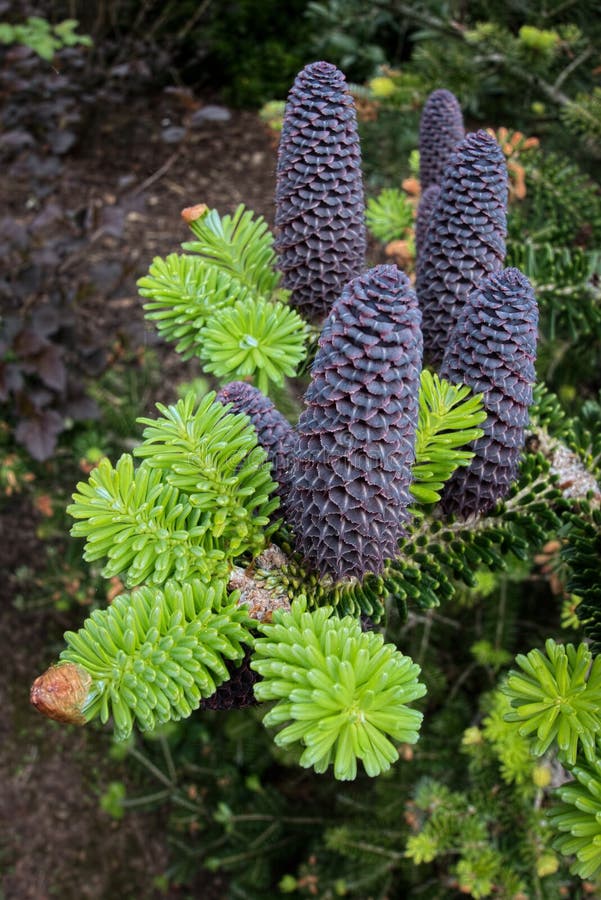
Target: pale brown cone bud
61	691
191	213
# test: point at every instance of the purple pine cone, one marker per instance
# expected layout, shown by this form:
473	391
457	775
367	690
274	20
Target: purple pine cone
440	131
274	432
427	202
465	239
493	350
349	481
237	693
320	227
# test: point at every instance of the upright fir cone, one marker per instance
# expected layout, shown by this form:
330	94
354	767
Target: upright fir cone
320	214
493	350
274	432
465	239
440	131
427	202
350	476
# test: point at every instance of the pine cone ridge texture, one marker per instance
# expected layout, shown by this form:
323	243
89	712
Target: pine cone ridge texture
427	202
237	692
440	131
320	212
350	476
465	238
274	432
493	350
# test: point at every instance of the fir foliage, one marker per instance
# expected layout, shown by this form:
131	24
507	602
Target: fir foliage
254	338
447	420
578	818
155	653
566	282
389	215
557	695
343	692
183	293
200	498
240	245
223	304
213	457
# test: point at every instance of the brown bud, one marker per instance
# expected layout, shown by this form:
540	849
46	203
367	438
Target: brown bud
61	691
191	213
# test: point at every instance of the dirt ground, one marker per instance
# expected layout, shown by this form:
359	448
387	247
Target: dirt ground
127	180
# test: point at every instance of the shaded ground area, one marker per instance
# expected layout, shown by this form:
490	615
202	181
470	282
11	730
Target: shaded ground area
116	204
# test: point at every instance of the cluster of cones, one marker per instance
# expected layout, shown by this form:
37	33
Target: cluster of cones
344	470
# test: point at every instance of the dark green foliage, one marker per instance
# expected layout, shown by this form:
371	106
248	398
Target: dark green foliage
562	206
567	285
582	552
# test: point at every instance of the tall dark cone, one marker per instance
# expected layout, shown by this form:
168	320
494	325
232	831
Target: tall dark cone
349	482
320	228
274	432
427	203
493	350
465	239
440	131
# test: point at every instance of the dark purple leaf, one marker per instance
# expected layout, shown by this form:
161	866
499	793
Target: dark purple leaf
38	434
50	367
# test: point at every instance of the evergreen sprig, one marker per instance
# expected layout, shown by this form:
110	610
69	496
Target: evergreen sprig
342	692
566	281
155	653
144	526
213	457
389	216
200	498
557	695
578	817
240	245
255	338
183	294
448	419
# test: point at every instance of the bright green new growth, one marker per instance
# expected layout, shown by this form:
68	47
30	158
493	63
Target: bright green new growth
254	338
42	37
199	499
389	216
342	691
144	526
579	814
558	696
155	653
184	294
223	303
213	457
447	420
240	245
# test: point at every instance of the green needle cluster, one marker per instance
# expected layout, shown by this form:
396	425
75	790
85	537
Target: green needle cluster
156	652
557	697
343	692
255	338
579	814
